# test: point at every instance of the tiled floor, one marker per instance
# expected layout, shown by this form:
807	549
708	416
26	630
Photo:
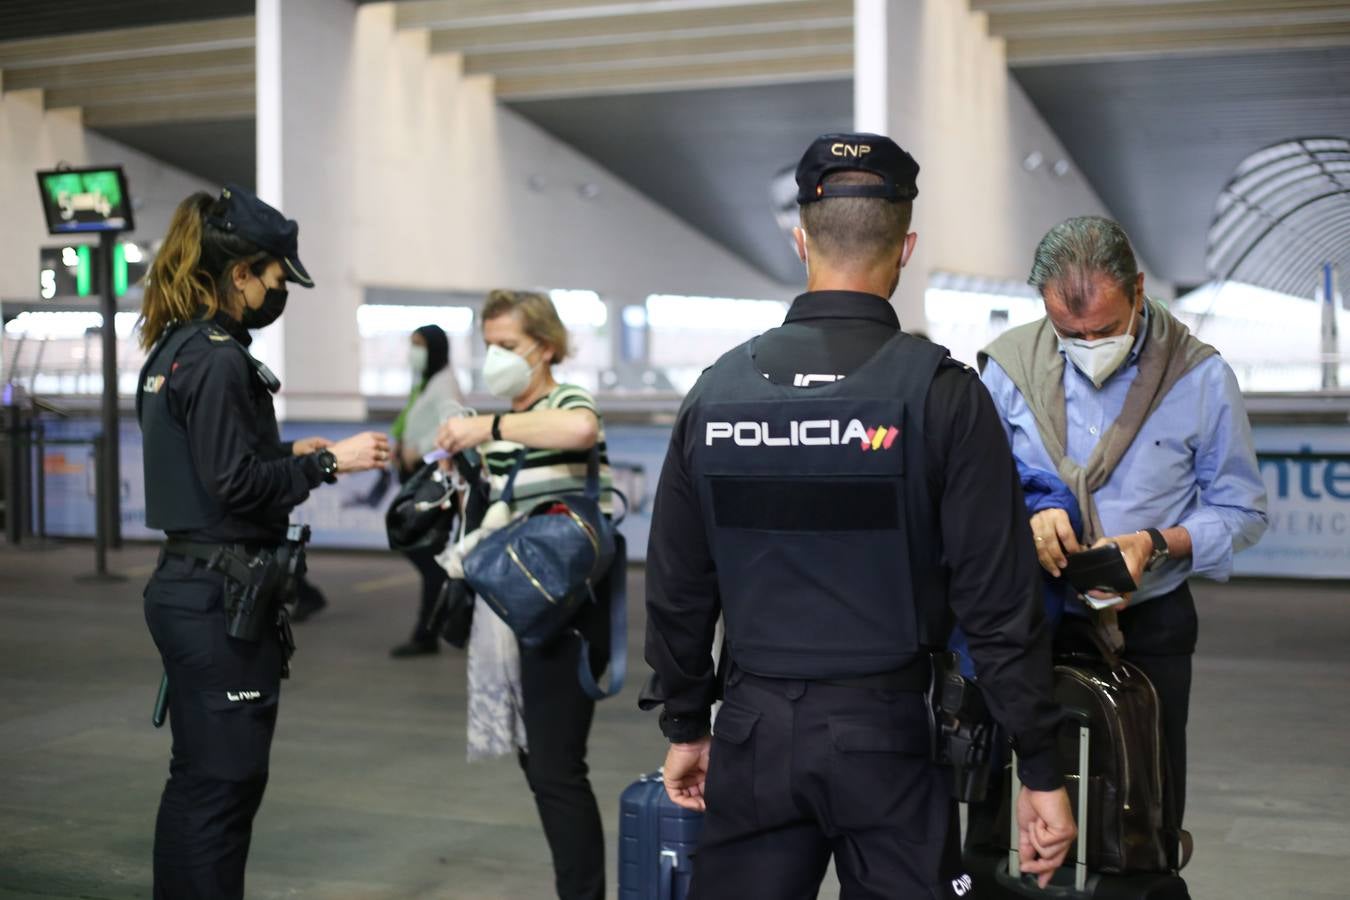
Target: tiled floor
371	797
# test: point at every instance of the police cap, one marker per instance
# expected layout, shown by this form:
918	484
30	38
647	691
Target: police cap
857	152
240	212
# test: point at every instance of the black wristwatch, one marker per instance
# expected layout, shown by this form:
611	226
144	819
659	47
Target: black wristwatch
1159	548
328	464
497	427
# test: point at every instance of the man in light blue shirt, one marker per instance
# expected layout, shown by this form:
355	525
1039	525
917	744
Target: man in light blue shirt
1147	425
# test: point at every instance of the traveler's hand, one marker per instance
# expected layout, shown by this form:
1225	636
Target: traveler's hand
306	446
1045	831
358	453
1054	537
685	772
1136	548
462	432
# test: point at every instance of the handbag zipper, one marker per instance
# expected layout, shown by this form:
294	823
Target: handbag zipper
511	552
590	532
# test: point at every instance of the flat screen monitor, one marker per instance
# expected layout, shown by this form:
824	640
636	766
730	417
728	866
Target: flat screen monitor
85	200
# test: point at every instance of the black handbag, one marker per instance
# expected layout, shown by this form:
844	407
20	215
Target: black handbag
538	571
423	513
452	617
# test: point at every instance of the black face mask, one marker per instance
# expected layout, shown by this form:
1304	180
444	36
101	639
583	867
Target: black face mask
273	305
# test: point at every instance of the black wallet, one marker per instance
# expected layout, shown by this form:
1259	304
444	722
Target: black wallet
1100	569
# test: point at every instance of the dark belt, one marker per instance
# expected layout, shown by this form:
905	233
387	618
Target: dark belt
915	677
207	552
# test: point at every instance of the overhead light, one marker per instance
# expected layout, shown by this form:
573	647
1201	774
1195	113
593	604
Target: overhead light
1033	161
588	190
1061	168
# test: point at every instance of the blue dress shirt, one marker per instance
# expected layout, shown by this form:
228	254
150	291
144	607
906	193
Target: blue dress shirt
1192	464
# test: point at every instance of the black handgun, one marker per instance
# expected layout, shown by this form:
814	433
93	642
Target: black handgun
252	584
963	731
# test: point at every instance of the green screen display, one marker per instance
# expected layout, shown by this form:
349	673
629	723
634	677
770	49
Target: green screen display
77	200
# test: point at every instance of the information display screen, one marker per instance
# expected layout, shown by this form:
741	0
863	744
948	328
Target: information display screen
85	200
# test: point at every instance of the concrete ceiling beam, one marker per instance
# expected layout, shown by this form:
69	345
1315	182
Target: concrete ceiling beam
620	29
130	71
1099	48
670	52
128	43
784	70
205	88
160	112
440	14
1161	18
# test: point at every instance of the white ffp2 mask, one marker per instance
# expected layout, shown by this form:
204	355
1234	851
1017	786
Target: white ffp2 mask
1100	359
506	374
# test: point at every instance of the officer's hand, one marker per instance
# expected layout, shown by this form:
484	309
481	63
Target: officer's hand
1045	831
1054	537
462	432
685	772
367	450
306	446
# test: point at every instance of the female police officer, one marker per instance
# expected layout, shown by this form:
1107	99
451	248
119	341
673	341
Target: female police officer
221	484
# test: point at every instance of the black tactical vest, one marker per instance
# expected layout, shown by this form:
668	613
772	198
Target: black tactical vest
818	514
175	499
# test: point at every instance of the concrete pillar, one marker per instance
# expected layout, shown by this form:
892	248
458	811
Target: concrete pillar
928	74
306	169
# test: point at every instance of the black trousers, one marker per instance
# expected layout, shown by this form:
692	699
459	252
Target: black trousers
433	579
1160	637
558	717
802	771
222	712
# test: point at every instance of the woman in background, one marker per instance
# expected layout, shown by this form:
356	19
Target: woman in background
531	703
435	397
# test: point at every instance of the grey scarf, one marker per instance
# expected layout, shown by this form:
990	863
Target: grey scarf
1030	355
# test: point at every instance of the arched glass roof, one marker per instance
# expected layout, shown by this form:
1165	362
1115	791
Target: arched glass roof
1283	214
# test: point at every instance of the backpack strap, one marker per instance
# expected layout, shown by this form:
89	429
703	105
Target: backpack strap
618	630
509	492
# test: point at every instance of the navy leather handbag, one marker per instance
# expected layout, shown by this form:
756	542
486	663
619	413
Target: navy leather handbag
537	572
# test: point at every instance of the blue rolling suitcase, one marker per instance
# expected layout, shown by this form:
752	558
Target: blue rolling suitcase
656	839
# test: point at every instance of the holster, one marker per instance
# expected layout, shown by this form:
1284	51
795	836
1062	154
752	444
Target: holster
961	729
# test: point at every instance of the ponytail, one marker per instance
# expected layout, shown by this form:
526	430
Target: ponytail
176	288
190	273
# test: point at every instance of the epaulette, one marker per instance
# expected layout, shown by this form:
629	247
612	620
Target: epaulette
953	362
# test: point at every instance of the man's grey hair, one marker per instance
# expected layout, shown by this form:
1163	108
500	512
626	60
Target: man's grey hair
1076	250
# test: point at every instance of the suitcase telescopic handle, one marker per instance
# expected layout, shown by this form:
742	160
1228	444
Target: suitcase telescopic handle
670	861
1082	719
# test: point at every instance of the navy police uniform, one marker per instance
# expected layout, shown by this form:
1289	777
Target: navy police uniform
216	474
838	490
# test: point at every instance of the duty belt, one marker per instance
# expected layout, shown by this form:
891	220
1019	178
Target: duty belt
915	677
206	552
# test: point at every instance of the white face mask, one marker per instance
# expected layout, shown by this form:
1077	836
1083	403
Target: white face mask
506	374
1099	359
417	358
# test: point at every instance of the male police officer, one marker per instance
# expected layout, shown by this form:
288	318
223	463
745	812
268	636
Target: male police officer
833	488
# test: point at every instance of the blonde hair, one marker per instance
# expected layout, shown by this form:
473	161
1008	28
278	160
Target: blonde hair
190	274
538	317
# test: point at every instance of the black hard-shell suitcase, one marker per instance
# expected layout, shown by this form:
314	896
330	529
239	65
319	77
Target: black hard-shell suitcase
656	839
997	875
